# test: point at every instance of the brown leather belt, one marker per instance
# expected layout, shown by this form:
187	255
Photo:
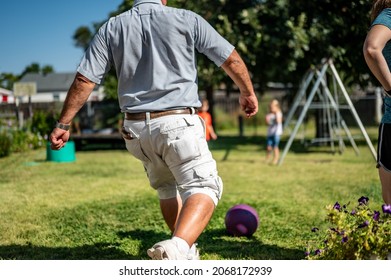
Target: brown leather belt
158	114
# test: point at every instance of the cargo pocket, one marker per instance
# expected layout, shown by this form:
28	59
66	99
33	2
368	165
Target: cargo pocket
207	177
182	143
133	145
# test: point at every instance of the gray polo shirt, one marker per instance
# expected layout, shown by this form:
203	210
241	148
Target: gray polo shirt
153	50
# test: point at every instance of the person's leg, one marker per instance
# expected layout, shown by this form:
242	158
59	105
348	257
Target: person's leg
276	156
187	155
194	217
269	148
384	160
171	209
385	179
139	144
276	149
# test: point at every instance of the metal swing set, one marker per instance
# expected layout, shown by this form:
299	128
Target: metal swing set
329	103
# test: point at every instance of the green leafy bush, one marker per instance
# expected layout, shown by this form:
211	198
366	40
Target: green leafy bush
25	140
42	123
16	141
357	234
5	144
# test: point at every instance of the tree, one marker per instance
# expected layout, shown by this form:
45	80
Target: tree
32	68
7	80
336	29
36	68
278	39
235	20
47	69
83	36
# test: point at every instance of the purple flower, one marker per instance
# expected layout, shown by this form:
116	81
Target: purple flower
335	230
376	215
345	239
364	224
363	200
306	253
386	208
353	212
337	206
318	251
314	229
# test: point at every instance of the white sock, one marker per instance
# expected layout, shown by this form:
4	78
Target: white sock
193	249
182	245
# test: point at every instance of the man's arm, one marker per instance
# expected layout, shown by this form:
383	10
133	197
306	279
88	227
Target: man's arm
77	96
236	69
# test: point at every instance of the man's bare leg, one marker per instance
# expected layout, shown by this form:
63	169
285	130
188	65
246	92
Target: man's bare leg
194	217
385	179
171	209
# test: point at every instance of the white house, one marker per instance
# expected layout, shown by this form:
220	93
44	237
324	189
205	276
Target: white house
54	87
6	96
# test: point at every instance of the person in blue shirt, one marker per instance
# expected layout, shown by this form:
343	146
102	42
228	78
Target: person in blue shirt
153	49
377	54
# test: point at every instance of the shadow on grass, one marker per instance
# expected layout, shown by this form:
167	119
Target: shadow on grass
210	242
229	247
215	242
98	251
233	143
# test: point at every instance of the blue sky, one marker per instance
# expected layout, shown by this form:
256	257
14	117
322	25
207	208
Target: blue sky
41	31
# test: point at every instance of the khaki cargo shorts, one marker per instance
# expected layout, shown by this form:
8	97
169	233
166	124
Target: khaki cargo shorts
175	155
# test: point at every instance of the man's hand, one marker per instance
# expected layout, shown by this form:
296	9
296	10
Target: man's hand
58	138
77	96
249	104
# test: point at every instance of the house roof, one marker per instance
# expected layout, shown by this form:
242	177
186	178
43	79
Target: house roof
51	82
4	91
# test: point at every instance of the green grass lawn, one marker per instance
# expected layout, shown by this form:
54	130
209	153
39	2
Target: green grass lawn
101	205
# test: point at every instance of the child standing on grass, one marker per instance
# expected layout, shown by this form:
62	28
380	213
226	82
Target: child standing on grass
207	117
274	131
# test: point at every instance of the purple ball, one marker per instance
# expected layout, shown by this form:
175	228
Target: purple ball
241	220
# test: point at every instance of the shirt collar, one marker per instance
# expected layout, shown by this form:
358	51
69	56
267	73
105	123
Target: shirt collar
138	2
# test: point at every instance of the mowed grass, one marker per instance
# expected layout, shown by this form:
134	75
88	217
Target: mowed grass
101	205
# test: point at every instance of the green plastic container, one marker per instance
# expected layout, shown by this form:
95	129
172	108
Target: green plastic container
65	154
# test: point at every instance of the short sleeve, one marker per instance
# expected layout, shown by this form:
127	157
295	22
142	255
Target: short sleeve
96	60
384	18
209	42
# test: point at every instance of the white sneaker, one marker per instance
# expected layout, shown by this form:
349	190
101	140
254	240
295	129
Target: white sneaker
168	250
195	256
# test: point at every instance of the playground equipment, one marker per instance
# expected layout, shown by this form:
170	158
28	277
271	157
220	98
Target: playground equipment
322	77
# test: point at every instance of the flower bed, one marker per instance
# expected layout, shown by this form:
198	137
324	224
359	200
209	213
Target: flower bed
356	234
